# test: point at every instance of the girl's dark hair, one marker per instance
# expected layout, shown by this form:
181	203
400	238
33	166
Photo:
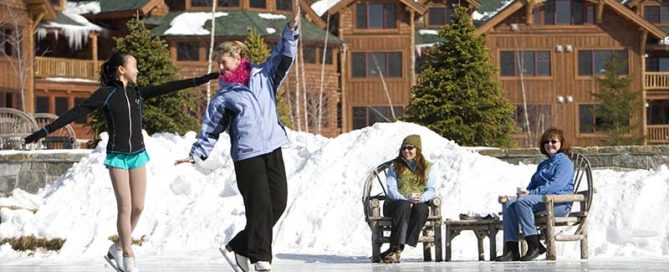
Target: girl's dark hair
565	146
109	67
421	166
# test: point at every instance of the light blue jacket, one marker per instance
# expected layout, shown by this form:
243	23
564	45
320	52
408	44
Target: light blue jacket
394	193
249	113
554	176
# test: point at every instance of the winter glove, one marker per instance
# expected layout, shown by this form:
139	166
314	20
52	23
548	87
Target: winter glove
35	136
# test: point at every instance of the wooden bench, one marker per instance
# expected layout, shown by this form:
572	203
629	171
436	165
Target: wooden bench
14	126
573	226
482	228
374	193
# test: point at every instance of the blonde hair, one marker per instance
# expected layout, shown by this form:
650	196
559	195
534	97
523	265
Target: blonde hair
235	49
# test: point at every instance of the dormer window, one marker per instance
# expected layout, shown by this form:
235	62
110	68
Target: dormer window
565	12
439	16
656	14
220	3
258	4
284	5
376	16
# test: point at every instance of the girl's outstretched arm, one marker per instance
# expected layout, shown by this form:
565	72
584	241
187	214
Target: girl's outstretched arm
172	86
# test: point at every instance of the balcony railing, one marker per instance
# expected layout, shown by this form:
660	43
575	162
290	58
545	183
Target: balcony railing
60	67
656	80
658	134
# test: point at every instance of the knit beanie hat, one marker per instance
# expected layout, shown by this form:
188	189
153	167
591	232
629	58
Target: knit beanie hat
413	140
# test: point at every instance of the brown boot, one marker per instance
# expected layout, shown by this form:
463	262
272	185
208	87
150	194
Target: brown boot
393	256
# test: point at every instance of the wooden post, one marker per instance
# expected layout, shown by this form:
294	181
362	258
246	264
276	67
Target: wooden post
550	230
584	239
94	52
644	121
492	237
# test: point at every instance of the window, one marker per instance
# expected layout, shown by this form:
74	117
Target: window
61	105
591	62
6	42
565	12
284	5
328	56
309	54
533	63
220	3
78	101
376	16
367	64
439	16
42	104
258	4
587	118
657	64
658	112
187	51
539	117
657	14
367	116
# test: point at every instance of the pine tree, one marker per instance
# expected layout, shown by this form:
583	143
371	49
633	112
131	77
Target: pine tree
456	94
258	52
173	112
618	103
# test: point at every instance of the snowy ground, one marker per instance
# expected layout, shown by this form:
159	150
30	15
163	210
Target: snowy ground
188	213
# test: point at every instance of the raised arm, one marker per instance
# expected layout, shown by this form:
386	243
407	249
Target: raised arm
96	100
172	86
215	120
283	54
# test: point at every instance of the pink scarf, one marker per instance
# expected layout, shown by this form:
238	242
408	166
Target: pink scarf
240	75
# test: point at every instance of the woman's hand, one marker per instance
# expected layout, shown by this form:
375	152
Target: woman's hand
189	160
296	18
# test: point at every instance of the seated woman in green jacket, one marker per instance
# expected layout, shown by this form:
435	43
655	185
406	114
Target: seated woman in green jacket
410	185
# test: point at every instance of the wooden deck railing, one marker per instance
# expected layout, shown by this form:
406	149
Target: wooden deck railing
60	67
656	80
658	134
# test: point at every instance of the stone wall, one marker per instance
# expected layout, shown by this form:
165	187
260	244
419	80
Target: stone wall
615	157
31	171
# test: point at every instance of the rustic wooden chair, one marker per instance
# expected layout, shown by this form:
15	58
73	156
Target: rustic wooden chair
62	138
374	194
573	226
14	126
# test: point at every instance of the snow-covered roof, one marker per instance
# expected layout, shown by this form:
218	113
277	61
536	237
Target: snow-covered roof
322	6
75	27
191	23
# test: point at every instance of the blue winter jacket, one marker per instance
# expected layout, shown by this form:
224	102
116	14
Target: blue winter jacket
249	112
554	176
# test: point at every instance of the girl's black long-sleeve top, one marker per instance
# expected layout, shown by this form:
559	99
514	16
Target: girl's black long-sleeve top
123	108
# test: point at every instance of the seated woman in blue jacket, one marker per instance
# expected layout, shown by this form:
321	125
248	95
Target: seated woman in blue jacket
410	185
554	176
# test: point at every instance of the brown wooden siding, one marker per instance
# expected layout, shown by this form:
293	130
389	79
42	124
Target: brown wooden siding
614	34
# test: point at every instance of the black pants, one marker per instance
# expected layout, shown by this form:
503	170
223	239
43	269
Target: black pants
262	182
408	221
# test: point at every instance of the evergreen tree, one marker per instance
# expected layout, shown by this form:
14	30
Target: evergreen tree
173	112
258	52
618	103
456	94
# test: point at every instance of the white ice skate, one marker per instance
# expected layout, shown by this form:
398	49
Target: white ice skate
238	262
129	264
114	258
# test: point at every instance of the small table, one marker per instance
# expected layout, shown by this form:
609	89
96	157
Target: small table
481	227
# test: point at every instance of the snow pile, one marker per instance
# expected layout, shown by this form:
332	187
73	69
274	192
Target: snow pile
77	35
191	23
187	212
